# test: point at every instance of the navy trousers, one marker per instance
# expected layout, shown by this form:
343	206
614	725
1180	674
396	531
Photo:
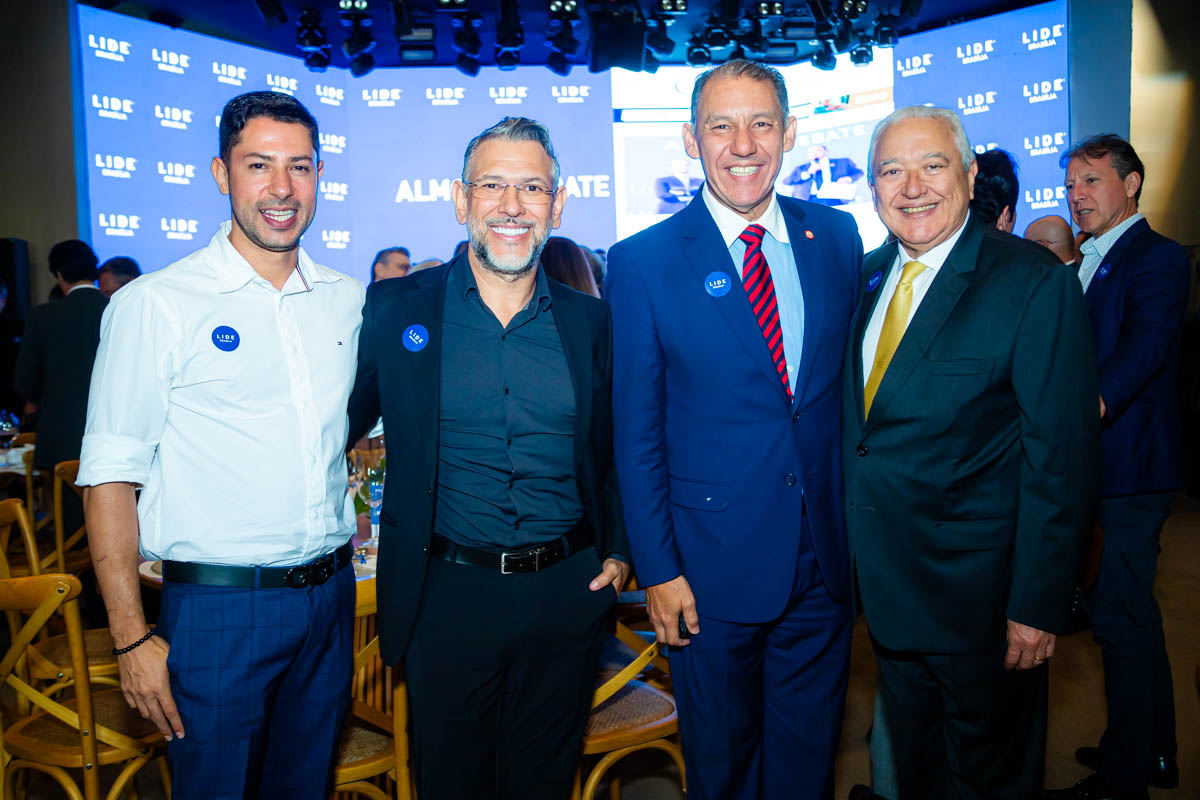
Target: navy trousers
1127	624
760	705
262	681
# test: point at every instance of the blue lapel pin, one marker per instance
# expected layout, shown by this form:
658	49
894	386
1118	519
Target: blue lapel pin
415	338
717	284
873	281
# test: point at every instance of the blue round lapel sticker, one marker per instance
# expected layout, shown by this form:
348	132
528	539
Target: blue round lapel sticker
1102	273
226	338
874	280
415	338
717	284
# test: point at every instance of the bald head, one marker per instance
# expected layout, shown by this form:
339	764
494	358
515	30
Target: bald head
1054	233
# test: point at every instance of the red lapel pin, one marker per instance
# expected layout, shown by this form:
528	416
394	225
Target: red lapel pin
808	234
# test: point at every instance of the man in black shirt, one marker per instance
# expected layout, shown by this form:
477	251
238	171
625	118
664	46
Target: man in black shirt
502	544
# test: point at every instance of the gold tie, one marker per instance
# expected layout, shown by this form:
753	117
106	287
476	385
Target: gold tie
895	322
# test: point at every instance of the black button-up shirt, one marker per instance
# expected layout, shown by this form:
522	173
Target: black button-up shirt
506	449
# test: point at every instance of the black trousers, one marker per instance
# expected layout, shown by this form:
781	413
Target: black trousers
963	727
500	675
1127	624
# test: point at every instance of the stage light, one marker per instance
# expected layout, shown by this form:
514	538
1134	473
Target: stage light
362	64
565	42
797	31
753	38
564	9
557	63
861	53
842	37
271	10
317	61
310	34
510	35
451	5
358	42
851	9
769	8
716	36
467	65
418	53
780	51
698	55
672	7
466	39
824	58
658	41
885	31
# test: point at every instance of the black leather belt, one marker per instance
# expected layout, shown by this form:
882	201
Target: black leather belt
314	573
519	561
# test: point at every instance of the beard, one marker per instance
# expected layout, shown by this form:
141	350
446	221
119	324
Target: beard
249	220
507	265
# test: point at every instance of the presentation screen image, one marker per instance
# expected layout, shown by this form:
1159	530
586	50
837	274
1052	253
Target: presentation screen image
392	142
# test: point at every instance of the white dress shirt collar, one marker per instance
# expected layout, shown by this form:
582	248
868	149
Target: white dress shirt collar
731	224
233	271
934	257
1099	246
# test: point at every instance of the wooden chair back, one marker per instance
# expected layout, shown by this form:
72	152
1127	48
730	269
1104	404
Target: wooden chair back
65	475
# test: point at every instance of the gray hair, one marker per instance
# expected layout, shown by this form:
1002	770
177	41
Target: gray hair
922	112
742	68
514	129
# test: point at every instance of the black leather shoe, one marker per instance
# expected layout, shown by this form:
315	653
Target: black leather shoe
1092	788
1164	770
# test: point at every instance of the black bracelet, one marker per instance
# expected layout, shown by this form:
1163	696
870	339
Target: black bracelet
120	651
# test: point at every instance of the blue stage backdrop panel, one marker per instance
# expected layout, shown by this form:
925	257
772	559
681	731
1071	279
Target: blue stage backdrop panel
1007	77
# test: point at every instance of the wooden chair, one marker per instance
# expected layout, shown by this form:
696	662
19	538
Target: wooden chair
84	733
49	659
35	485
374	741
629	714
71	559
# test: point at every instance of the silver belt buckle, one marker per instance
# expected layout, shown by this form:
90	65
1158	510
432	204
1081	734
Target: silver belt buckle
504	570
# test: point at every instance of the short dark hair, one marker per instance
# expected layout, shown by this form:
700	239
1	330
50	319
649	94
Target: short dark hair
273	105
122	267
995	186
73	261
384	253
1121	155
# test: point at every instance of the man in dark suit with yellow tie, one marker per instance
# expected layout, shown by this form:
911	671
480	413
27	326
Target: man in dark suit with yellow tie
970	434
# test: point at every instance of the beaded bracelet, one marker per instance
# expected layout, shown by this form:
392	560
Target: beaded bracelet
120	651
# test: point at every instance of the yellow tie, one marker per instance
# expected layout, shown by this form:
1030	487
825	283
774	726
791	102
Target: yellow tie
895	322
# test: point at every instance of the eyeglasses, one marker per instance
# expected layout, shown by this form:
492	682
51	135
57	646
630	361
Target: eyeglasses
529	193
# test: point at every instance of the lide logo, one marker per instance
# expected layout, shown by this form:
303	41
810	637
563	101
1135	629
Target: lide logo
111	107
508	95
175	172
108	48
977	103
332	143
1043	91
914	65
170	61
331	190
113	166
1047	197
1046	36
331	95
335	239
569	93
382	98
445	96
282	83
1043	144
183	230
231	74
974	52
173	117
118	224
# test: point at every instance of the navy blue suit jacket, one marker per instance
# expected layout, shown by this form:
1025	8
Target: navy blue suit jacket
716	467
1137	300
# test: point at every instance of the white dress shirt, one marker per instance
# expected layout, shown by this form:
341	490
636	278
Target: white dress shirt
1096	248
777	249
933	260
225	399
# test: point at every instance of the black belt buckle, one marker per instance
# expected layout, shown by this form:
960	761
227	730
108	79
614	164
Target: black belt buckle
313	574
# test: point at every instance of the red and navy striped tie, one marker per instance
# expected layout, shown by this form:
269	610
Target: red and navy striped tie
760	289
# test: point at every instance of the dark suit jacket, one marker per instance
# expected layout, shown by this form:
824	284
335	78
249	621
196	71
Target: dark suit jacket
54	370
838	168
717	467
405	386
673	195
1137	300
970	486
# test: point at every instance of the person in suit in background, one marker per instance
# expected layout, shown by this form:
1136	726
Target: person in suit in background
676	190
502	545
806	180
728	323
1054	233
391	262
115	273
970	434
1135	285
996	189
54	363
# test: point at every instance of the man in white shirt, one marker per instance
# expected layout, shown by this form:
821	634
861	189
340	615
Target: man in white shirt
970	435
220	388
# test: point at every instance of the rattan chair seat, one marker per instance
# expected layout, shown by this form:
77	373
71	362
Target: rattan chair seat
635	706
361	742
45	739
97	642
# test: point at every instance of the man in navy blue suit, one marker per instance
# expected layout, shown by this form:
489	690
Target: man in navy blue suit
808	179
1135	285
729	320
